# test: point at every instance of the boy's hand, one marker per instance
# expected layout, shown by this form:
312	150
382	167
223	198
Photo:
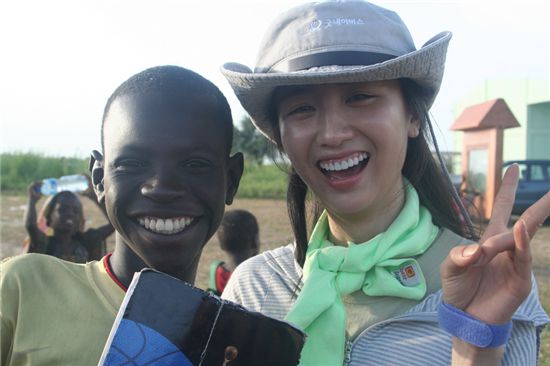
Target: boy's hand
33	190
491	279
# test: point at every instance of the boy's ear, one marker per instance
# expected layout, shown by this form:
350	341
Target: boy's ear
234	173
97	173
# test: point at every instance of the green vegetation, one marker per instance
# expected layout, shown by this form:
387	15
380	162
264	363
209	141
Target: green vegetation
262	181
18	170
249	141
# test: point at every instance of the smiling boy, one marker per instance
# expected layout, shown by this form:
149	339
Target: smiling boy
165	176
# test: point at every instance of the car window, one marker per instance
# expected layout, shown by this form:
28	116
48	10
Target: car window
540	172
536	172
531	171
523	172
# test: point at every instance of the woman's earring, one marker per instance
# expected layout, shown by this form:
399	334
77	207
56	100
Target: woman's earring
414	129
414	132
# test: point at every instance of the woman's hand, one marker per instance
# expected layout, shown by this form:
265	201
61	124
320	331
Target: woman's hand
33	190
491	279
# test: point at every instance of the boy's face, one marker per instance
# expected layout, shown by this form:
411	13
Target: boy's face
167	177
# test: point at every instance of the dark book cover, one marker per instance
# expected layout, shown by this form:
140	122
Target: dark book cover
165	321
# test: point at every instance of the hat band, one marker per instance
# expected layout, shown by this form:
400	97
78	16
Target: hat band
341	58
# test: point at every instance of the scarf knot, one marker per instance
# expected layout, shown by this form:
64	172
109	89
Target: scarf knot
382	266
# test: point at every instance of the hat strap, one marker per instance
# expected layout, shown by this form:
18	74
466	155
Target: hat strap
341	58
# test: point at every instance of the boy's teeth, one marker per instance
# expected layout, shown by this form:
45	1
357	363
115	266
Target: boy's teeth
172	225
343	164
159	226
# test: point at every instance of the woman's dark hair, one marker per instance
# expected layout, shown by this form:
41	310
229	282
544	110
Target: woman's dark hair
420	168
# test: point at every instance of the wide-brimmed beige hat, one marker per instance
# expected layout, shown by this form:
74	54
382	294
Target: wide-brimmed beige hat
335	42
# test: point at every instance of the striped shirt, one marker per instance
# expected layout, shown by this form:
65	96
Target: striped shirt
269	283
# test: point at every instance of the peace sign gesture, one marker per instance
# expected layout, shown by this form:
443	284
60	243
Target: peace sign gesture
491	279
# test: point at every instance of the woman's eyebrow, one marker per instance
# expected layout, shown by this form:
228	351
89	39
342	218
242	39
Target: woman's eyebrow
285	92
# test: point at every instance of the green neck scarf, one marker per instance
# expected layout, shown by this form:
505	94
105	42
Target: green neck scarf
381	266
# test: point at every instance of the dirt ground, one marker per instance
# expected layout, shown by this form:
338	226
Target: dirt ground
274	231
271	215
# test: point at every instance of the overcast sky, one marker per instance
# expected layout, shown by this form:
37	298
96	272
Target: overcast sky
62	59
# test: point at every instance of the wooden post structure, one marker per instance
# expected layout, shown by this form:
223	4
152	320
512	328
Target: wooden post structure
483	126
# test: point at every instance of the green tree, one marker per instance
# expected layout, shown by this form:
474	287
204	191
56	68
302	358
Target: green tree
250	142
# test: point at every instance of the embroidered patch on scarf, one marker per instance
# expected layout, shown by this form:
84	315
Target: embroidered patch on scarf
407	274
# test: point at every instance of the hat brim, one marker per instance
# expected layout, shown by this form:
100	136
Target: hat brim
425	66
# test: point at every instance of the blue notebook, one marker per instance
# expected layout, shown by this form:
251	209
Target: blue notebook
164	321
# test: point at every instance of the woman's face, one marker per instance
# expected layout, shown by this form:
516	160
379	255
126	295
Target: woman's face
348	143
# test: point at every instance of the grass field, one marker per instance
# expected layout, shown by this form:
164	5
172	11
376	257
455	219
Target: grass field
274	231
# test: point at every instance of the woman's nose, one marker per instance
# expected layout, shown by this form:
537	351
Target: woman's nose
334	128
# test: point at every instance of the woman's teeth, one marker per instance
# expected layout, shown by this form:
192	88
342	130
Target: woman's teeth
337	165
165	226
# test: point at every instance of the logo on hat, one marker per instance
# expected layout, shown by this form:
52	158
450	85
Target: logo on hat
319	24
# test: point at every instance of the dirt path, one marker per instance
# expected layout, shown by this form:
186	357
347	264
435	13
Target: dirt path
271	215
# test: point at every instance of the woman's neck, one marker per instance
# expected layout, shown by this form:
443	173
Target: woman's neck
363	226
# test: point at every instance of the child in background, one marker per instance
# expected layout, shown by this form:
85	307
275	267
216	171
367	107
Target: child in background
164	176
239	238
59	229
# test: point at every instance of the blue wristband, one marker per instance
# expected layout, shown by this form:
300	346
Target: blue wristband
472	330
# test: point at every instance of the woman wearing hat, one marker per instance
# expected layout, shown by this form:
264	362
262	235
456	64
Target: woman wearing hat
389	273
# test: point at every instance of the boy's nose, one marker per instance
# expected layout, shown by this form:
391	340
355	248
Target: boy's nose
163	187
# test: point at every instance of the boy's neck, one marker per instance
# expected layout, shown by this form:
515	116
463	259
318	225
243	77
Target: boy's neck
124	263
231	264
233	260
64	240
